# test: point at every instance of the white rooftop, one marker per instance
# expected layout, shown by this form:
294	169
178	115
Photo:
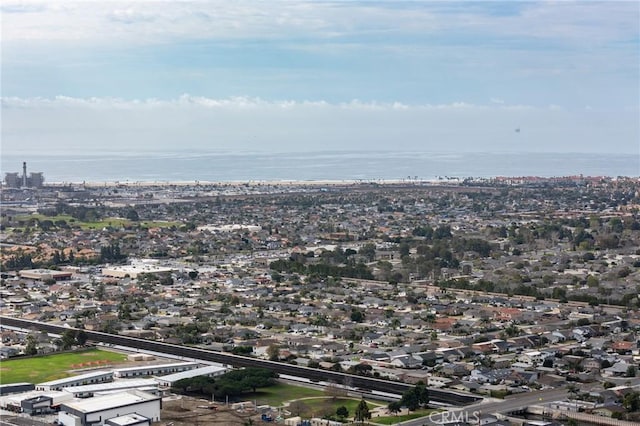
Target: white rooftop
75	378
118	384
114	400
152	366
203	371
127	419
17	398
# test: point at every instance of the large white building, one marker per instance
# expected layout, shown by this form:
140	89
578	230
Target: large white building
83	379
103	410
34	401
209	370
155	370
86	391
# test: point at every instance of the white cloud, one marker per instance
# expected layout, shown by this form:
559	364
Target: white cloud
160	21
237	103
198	123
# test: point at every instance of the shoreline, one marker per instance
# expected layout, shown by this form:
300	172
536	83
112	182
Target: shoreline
336	182
320	182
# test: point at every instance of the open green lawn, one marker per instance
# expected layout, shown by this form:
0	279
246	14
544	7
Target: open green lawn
304	401
323	406
56	366
392	420
280	393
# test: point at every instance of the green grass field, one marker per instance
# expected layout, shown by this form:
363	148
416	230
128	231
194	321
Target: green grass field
278	394
56	366
308	402
392	420
324	405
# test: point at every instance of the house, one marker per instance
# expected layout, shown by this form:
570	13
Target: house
591	364
492	376
619	369
534	358
406	361
454	369
520	378
610	410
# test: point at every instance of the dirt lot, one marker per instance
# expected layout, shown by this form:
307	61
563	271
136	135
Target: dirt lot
188	411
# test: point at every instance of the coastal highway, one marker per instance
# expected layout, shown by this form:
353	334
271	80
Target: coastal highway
360	383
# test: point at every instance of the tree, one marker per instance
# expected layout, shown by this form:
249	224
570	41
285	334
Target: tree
357	316
395	407
334	391
631	401
361	369
410	400
416	397
273	352
297	407
423	393
100	292
631	371
336	367
31	348
68	339
132	215
362	412
573	390
81	337
369	251
342	412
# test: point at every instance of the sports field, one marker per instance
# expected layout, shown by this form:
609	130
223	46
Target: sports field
56	366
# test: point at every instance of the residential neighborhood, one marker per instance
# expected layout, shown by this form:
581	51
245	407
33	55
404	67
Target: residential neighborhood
492	287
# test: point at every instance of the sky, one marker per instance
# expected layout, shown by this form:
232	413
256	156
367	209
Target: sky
477	76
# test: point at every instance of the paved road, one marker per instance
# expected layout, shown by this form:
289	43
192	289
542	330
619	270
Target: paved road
471	413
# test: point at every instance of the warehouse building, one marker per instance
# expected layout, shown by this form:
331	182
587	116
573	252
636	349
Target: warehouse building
107	409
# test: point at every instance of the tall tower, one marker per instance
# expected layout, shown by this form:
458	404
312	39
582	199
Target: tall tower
24	174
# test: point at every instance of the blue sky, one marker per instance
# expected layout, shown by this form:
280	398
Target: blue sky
294	75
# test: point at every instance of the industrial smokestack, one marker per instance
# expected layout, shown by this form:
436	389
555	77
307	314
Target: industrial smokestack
24	174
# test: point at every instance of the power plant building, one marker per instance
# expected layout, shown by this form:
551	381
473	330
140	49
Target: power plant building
15	180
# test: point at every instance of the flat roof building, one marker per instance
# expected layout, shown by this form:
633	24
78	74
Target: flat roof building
133	271
209	370
129	420
33	401
101	410
86	391
10	388
155	370
83	379
45	274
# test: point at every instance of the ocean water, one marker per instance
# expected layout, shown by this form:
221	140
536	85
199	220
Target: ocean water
309	166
